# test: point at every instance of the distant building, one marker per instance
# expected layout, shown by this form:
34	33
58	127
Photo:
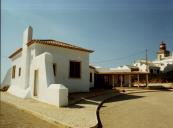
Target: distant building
152	68
163	62
122	76
164	59
162	53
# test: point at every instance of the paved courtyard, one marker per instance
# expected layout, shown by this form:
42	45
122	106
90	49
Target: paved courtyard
11	117
79	115
139	110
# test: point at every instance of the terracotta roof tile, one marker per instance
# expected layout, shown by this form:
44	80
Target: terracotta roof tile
59	44
52	43
15	53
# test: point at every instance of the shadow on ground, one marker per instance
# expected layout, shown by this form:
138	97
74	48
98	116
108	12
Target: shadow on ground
122	98
159	88
75	106
96	100
83	102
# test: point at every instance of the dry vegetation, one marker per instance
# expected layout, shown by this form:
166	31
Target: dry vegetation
4	88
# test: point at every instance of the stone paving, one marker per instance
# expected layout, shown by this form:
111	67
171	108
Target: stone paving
81	114
139	109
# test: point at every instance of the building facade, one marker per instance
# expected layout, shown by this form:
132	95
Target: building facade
47	70
122	76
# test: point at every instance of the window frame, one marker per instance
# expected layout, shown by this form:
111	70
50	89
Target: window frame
80	64
91	77
19	72
54	69
13	72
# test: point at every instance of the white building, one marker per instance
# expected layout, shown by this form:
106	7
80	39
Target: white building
163	63
164	59
47	70
123	76
152	68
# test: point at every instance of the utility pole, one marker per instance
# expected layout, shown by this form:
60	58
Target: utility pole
147	67
146	60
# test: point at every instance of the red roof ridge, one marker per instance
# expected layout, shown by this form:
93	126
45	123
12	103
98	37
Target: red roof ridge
58	43
52	43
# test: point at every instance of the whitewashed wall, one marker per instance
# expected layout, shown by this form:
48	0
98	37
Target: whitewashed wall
16	61
62	58
17	87
47	91
142	67
51	88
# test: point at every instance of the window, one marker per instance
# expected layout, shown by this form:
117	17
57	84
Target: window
151	71
91	79
13	71
19	71
54	69
75	68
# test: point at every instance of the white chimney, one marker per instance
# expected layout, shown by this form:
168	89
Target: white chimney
27	35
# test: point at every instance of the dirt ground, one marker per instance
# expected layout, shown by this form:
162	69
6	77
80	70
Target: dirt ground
139	110
11	117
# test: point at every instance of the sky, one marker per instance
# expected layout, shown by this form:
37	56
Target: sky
119	31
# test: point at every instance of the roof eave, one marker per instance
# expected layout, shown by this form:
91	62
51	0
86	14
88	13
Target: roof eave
116	73
32	42
15	53
85	50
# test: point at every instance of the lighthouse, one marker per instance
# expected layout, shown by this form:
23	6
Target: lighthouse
162	53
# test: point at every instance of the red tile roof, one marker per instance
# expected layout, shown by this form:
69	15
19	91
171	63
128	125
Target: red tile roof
52	43
15	53
59	44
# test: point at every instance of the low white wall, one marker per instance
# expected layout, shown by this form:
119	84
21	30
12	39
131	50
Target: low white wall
48	91
57	94
19	92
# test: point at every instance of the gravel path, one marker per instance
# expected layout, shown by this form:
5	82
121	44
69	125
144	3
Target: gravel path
139	110
11	117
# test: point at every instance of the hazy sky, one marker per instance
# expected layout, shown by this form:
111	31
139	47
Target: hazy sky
118	31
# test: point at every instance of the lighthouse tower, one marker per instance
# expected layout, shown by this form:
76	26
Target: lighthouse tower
162	53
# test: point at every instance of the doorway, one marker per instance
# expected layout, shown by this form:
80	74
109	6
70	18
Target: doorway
35	83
